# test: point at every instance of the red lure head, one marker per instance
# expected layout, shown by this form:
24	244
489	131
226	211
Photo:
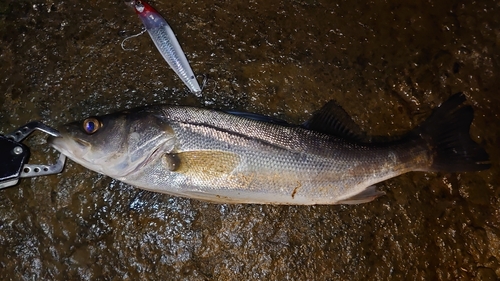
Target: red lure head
148	15
141	7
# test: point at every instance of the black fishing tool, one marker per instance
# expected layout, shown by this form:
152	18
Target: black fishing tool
14	156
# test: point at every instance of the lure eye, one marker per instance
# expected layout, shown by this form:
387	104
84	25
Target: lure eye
91	125
139	7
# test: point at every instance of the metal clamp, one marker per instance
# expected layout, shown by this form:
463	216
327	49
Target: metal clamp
14	156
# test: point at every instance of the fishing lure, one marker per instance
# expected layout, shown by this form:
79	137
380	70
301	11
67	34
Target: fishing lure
166	42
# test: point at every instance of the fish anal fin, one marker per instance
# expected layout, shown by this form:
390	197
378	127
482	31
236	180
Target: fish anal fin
332	119
203	163
365	196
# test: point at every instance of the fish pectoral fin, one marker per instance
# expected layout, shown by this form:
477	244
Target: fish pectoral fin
333	120
202	163
365	196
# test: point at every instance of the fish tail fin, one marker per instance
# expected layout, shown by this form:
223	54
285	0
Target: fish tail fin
447	132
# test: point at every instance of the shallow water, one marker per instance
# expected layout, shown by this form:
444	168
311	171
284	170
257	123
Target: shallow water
387	63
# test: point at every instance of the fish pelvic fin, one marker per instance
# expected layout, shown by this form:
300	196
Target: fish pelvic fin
367	195
447	133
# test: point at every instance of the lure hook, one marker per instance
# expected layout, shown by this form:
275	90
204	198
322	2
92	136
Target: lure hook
204	82
131	36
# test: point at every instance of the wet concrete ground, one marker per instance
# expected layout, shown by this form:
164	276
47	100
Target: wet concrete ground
387	63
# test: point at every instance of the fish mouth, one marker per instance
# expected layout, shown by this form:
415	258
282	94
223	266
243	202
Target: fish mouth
82	143
75	149
55	142
67	145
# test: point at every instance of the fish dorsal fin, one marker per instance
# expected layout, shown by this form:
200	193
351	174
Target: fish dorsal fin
333	120
205	164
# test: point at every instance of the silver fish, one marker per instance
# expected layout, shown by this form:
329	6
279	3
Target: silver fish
247	158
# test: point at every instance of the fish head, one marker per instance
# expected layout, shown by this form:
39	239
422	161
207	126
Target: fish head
116	144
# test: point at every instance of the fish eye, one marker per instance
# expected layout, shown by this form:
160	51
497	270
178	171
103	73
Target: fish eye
91	125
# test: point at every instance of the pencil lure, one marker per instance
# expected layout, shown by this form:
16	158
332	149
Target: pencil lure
166	42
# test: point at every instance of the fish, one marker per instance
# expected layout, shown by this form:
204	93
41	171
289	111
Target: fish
238	157
165	41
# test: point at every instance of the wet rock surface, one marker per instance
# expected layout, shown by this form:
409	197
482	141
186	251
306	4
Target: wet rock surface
387	63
